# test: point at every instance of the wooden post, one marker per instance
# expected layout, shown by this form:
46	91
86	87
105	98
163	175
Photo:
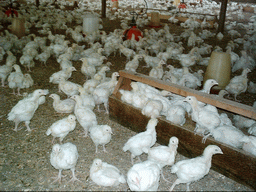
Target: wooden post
222	15
103	8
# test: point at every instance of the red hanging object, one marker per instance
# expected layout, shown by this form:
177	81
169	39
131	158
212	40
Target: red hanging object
11	12
182	6
133	30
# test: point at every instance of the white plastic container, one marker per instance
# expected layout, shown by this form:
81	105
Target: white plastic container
90	23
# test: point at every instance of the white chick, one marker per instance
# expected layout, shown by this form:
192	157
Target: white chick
15	79
164	155
27	61
96	61
172	19
88	100
64	157
242	122
176	114
152	108
141	142
252	87
102	91
62	127
100	135
222	93
44	56
245	61
219	36
87	69
144	176
65	73
105	174
205	117
101	74
110	83
85	116
252	129
10	59
229	135
187	60
157	71
5	70
127	96
225	119
68	87
101	96
27	81
133	64
62	106
249	144
24	110
238	84
126	52
190	81
194	169
151	61
209	83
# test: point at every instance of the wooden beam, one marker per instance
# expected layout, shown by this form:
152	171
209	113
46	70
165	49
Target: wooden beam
244	1
214	100
103	8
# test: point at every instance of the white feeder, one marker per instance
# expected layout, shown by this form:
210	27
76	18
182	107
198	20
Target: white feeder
90	23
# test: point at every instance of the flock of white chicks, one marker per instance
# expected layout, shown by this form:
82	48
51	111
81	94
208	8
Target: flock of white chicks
156	47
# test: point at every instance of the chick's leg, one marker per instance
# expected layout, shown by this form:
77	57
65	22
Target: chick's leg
18	90
27	125
3	83
16	125
175	183
162	173
61	138
235	97
106	107
132	157
96	151
98	108
13	92
85	132
53	140
104	149
74	178
188	186
57	178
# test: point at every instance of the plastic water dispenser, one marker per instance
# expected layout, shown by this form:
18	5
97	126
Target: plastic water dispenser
90	23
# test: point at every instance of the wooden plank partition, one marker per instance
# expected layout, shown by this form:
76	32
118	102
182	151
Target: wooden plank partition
222	103
234	163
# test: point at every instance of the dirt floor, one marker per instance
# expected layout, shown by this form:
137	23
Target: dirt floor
24	157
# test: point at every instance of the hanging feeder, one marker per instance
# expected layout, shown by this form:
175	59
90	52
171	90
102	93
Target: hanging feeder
182	5
133	30
11	12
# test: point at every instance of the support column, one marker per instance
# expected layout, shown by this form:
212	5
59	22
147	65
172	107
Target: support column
103	8
222	17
